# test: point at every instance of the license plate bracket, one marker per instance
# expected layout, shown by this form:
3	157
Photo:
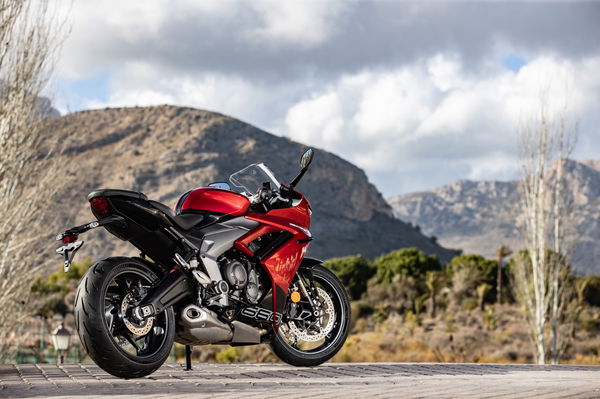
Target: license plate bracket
68	251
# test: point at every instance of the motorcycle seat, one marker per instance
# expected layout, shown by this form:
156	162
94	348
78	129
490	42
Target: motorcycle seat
116	193
185	222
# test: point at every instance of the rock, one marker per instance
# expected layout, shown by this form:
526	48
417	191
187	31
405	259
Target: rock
479	216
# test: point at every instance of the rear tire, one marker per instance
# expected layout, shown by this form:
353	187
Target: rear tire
101	329
334	341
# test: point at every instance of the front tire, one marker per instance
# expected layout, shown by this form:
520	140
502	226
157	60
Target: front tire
120	347
288	344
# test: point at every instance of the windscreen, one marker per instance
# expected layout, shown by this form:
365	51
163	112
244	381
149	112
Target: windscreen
250	179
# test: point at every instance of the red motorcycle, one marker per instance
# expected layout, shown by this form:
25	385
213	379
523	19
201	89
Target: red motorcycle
227	267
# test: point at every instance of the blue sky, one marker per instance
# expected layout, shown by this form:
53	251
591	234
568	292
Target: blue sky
417	94
514	62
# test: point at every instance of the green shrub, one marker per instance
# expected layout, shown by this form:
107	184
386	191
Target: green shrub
408	262
353	272
468	272
49	292
59	281
469	304
591	294
227	355
588	323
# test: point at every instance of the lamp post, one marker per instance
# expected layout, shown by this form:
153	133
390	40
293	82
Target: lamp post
61	339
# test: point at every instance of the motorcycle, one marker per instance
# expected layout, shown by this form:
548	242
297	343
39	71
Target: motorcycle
226	267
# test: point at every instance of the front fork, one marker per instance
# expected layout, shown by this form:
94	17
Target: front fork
310	293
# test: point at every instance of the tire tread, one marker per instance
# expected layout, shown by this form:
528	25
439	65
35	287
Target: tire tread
94	335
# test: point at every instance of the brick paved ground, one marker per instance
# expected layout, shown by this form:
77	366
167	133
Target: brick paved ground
358	380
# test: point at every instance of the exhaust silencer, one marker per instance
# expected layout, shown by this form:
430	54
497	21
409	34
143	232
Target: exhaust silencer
200	326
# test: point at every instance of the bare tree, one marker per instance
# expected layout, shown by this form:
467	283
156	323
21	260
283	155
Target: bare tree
541	279
30	34
563	235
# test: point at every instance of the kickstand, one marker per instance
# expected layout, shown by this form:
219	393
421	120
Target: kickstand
188	357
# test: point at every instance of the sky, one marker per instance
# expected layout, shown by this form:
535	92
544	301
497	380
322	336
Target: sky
418	94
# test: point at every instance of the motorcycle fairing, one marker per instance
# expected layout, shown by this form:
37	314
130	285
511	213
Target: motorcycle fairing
285	253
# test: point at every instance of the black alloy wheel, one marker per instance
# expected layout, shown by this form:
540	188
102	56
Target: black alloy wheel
314	329
114	339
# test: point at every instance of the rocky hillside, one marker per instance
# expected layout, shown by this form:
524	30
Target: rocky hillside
480	216
165	151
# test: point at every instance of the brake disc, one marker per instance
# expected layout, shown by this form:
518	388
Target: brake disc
325	310
141	328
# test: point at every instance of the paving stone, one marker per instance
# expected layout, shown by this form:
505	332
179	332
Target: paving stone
372	380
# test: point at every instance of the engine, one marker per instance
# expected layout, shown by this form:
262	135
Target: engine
244	278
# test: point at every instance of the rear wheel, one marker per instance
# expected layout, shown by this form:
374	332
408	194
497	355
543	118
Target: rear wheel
117	342
316	327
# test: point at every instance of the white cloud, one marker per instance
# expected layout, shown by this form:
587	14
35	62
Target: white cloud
415	94
305	24
445	72
317	119
419	116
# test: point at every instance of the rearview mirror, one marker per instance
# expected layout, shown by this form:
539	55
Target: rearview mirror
307	158
305	161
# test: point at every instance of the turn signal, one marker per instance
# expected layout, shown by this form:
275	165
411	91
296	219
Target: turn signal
295	296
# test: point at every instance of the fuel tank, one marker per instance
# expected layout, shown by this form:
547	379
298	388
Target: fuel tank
213	201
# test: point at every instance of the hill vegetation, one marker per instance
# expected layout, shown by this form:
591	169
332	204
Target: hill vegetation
407	307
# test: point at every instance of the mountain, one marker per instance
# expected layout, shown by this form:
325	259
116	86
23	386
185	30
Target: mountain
479	216
165	151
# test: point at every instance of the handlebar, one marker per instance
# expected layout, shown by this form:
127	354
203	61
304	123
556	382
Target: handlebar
271	199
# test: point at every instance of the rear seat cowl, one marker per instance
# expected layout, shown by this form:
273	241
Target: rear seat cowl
109	192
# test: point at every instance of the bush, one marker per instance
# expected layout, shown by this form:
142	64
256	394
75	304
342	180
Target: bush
487	268
409	262
60	282
396	297
353	272
468	272
227	355
49	293
591	294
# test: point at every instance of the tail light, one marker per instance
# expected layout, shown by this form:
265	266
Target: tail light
100	205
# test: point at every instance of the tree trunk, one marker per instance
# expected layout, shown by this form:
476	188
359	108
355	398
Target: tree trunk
499	281
432	305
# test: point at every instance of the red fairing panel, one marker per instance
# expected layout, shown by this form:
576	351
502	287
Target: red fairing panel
284	262
214	200
299	214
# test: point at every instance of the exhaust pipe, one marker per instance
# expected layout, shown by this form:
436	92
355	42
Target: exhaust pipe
200	326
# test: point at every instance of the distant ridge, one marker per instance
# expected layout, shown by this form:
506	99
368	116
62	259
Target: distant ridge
479	216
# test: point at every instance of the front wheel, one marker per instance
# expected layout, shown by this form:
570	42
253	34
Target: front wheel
314	328
114	339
